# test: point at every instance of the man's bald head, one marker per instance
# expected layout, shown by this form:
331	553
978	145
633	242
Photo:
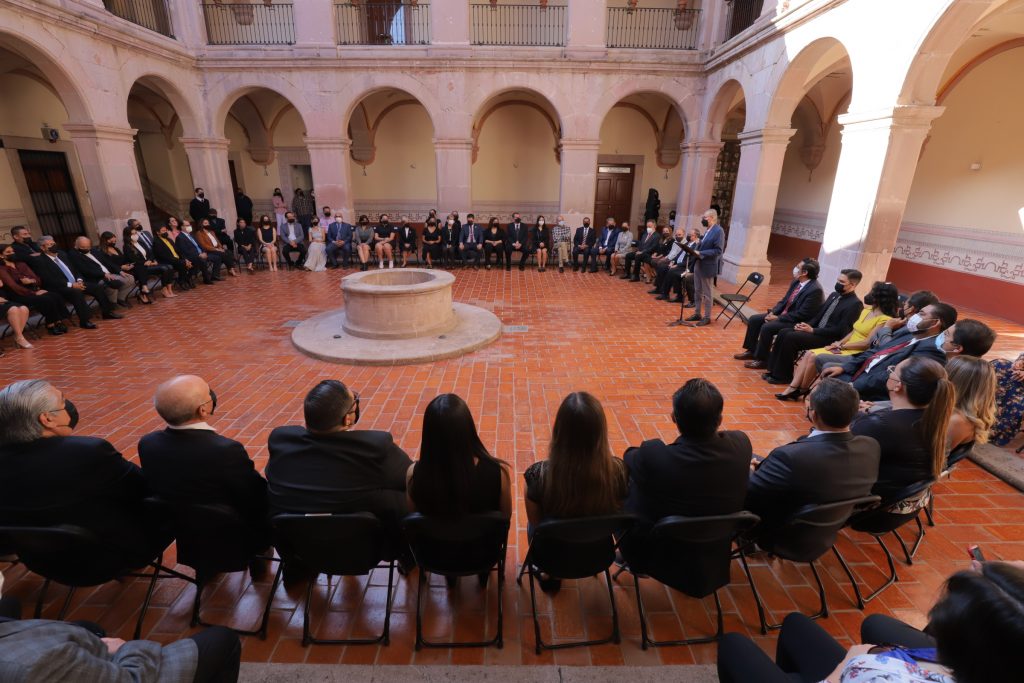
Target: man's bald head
83	242
178	400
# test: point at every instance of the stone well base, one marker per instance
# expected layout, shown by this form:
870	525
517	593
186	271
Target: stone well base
324	337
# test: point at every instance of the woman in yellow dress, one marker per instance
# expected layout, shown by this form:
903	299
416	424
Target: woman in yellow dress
882	303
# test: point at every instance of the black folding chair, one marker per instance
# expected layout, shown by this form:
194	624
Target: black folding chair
473	545
887	518
336	545
691	555
959	453
805	536
575	549
212	540
74	557
734	302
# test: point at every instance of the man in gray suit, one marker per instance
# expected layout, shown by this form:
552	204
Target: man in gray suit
705	268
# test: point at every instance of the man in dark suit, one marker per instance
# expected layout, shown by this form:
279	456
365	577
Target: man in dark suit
707	261
115	285
799	304
199	207
582	243
24	248
57	274
868	370
220	229
51	477
677	273
190	462
189	248
832	322
167	253
604	245
471	241
645	246
328	466
339	239
828	465
243	206
145	236
516	240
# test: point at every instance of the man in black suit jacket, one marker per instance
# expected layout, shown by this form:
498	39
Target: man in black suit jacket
115	285
51	477
199	207
583	243
832	322
828	465
516	240
167	253
190	462
24	248
189	249
645	246
799	304
329	467
58	274
869	370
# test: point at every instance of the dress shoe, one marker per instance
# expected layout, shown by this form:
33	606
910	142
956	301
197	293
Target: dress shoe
794	396
635	278
55	331
660	297
112	316
693	318
575	268
592	270
88	325
755	365
772	379
124	304
561	269
508	267
522	267
746	355
704	322
61	327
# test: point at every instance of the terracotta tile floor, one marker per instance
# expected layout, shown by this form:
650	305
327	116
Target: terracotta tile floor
583	332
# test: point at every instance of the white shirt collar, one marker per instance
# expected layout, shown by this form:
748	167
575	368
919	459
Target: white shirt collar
193	425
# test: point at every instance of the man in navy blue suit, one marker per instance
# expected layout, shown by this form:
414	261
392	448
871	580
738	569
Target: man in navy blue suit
798	305
605	245
471	241
339	239
705	267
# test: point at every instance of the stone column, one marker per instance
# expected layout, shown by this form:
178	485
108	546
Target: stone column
586	26
449	24
314	27
579	179
329	159
713	17
107	157
188	23
757	187
697	181
208	161
454	158
877	162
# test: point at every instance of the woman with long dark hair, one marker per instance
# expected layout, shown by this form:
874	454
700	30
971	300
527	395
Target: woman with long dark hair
913	433
653	206
146	266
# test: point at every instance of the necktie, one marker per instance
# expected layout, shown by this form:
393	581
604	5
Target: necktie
194	243
64	269
789	301
829	311
471	234
884	352
144	238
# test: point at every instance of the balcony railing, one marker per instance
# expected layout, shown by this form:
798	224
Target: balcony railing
249	23
383	23
532	25
742	14
652	27
151	14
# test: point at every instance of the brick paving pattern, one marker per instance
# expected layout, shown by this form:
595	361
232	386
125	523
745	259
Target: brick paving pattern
583	332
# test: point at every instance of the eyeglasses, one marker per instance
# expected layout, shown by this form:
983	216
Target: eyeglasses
892	373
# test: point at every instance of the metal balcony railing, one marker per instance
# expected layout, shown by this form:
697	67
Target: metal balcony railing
530	25
151	14
653	27
249	23
743	13
383	23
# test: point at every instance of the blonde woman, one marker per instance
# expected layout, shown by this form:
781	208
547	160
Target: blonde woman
975	409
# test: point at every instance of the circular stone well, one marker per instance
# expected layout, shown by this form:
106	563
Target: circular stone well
396	317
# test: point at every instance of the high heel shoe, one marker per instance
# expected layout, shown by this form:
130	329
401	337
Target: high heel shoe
23	343
795	396
143	298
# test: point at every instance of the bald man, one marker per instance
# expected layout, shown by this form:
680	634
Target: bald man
190	462
117	284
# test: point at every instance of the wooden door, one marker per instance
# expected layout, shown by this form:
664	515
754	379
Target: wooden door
614	194
53	195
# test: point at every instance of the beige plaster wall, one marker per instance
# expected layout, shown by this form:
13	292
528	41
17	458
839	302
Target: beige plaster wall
404	167
801	189
981	124
626	131
516	161
9	198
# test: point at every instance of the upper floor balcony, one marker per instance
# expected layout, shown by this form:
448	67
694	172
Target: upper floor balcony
265	22
151	14
663	28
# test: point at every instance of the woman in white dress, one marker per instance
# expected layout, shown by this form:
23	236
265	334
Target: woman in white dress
316	256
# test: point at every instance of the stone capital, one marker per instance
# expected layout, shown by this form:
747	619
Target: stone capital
100	132
343	145
579	145
900	116
456	144
701	147
766	136
215	144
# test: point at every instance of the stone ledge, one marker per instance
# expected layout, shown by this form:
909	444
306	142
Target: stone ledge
326	673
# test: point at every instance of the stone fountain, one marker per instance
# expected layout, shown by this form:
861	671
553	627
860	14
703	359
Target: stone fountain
396	317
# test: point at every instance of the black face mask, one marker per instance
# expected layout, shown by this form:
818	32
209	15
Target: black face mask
213	400
586	225
327	214
384	222
83	251
704	222
72	412
517	220
840	289
52	249
201	195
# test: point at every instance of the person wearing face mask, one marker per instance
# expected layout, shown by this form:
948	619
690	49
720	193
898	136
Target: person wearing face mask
24	248
58	274
540	243
623	243
432	241
19	285
52	477
604	247
966	338
708	260
189	462
118	285
329	466
867	371
117	261
363	238
494	243
582	243
663	264
516	240
280	208
800	303
245	238
293	241
339	239
385	236
471	242
267	236
167	253
451	235
834	320
828	465
316	256
217	253
649	265
199	207
187	245
646	245
406	239
146	267
561	242
304	206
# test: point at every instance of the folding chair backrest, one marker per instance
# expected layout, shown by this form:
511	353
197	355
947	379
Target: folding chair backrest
341	545
210	538
67	554
895	510
811	531
470	545
957	454
578	548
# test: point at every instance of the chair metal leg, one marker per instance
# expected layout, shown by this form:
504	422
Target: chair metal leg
145	603
497	640
753	589
421	581
646	640
538	644
823	612
767	626
909	553
929	511
892	578
67	603
384	637
859	601
616	638
261	630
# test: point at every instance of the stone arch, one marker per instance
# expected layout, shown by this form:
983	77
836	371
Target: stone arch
60	79
809	66
687	107
290	95
405	86
182	105
362	129
481	105
719	107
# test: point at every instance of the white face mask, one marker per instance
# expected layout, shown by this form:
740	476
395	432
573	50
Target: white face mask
561	223
451	221
649	230
540	222
914	324
188	228
796	271
135	237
